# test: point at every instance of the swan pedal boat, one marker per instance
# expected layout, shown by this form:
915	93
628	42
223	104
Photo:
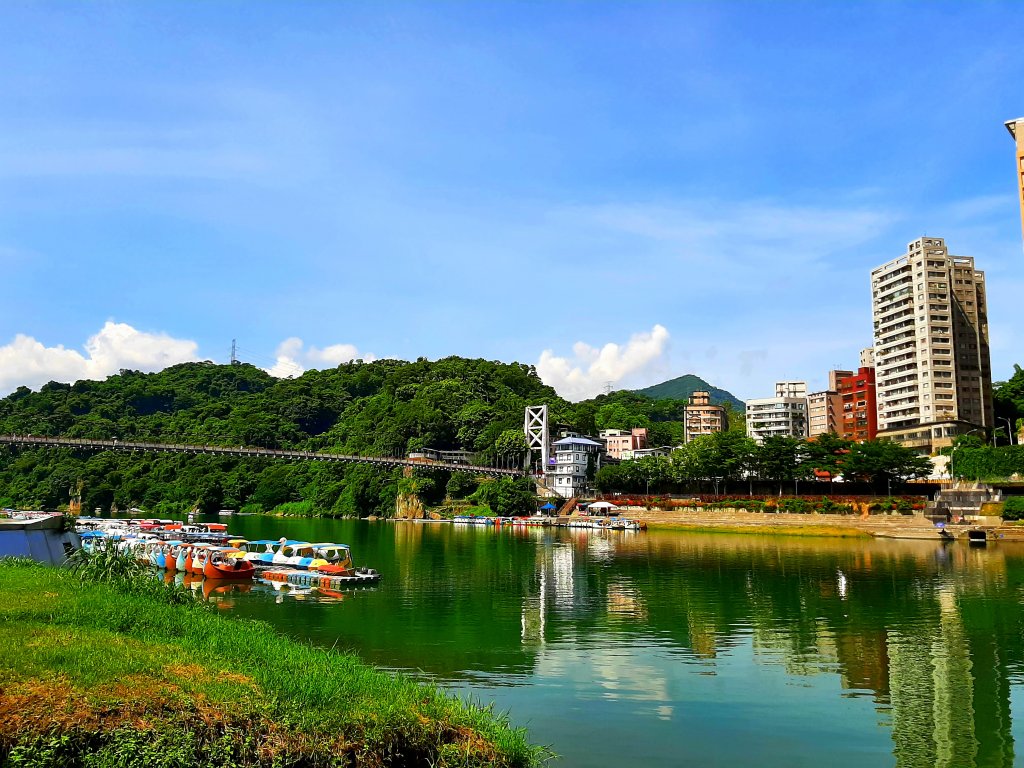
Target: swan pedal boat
227	563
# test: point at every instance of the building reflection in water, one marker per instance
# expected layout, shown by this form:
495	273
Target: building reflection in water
915	628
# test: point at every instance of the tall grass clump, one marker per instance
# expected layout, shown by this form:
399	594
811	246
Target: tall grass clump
106	563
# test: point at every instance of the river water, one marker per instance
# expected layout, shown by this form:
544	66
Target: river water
668	649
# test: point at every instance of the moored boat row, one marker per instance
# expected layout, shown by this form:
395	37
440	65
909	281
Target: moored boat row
226	558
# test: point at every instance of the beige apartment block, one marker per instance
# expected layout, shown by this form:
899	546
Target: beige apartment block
620	442
1016	129
824	411
933	375
703	418
867	358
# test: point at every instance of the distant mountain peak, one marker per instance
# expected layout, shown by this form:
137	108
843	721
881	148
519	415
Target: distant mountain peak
682	387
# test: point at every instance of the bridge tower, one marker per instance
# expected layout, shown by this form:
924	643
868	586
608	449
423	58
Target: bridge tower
535	427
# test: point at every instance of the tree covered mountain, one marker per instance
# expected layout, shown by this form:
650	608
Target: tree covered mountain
682	387
384	408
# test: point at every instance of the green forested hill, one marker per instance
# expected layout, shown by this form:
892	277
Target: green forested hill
682	387
382	408
386	407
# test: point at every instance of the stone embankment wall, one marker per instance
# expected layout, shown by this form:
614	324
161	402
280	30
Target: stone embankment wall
44	540
741	519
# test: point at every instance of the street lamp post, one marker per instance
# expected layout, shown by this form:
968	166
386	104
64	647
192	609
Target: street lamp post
1009	427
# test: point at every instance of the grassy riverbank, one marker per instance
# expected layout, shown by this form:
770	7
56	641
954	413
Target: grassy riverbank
137	680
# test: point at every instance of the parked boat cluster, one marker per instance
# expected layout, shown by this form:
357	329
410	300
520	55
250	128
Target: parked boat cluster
208	550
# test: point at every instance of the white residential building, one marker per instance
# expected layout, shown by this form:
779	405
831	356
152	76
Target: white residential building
573	456
933	376
782	415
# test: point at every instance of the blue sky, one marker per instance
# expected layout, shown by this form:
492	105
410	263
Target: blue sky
621	192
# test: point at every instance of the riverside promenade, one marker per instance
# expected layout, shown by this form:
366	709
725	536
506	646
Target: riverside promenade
913	526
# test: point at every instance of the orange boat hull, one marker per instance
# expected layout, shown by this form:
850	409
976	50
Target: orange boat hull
243	570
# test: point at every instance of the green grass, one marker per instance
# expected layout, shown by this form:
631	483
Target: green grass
226	691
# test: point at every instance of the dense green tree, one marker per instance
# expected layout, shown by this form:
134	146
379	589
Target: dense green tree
460	485
826	453
782	459
511	444
507	496
880	462
1008	399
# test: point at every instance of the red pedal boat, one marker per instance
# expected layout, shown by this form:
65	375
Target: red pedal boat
227	563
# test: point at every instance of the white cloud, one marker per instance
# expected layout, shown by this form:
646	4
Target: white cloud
27	362
293	358
589	370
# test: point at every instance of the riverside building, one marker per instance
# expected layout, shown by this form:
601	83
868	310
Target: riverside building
824	409
700	417
620	443
574	456
933	375
859	420
783	415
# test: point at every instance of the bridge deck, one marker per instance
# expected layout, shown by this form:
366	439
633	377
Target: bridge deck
242	452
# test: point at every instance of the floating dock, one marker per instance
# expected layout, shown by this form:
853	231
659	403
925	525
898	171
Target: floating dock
322	580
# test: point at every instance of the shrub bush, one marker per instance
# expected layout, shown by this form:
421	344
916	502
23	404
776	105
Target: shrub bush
1013	508
294	509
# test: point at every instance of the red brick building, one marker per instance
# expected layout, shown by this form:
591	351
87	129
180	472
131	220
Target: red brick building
859	421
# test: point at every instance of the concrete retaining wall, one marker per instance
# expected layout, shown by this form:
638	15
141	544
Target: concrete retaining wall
43	540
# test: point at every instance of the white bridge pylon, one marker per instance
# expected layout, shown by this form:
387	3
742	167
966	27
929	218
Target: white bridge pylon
535	426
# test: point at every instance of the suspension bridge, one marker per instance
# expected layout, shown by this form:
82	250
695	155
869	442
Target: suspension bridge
86	444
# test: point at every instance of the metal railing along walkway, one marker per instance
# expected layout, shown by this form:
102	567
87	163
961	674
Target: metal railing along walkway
241	452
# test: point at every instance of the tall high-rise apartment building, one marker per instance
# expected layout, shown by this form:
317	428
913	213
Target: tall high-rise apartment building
933	376
1016	129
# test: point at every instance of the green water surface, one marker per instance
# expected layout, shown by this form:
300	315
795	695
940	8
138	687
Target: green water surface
674	649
